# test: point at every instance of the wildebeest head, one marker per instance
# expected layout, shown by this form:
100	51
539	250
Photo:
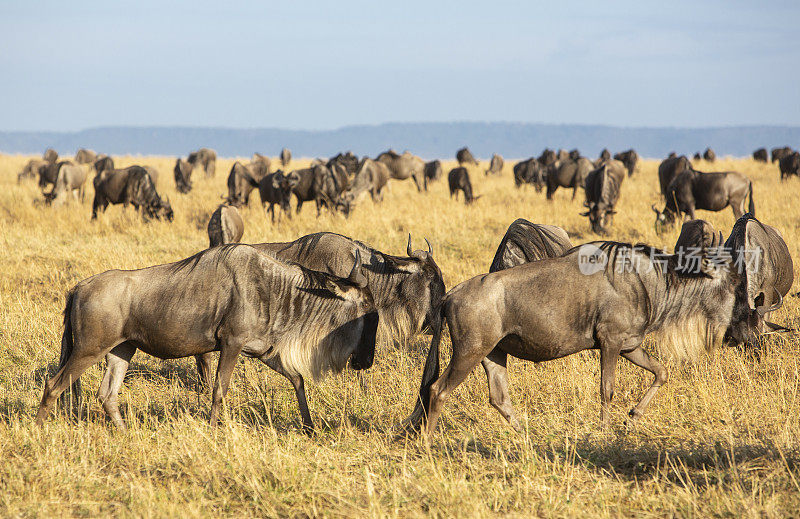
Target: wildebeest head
282	185
665	218
160	209
183	172
425	287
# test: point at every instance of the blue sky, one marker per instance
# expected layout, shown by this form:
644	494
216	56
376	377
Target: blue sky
316	65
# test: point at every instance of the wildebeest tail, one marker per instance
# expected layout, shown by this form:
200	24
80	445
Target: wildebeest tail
429	375
67	340
751	208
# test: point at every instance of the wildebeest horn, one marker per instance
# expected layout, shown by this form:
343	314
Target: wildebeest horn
409	250
777	328
656	210
430	250
763	311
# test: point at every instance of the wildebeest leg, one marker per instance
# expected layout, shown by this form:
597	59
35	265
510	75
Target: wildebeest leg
299	390
608	373
465	358
227	361
204	368
117	362
550	190
497	375
299	205
574	191
640	358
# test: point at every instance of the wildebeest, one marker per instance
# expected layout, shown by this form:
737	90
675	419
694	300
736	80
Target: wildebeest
697	156
630	158
225	225
464	156
602	189
71	179
670	168
779	153
525	242
348	160
715	191
790	165
303	182
33	169
433	170
132	185
242	179
103	163
575	154
84	156
276	188
404	166
709	155
562	154
49	174
182	172
330	182
760	155
205	157
286	157
587	299
604	156
50	155
696	234
529	171
371	178
496	165
547	157
458	180
299	322
567	173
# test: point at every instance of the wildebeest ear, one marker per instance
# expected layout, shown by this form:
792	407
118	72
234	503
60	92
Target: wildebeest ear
357	276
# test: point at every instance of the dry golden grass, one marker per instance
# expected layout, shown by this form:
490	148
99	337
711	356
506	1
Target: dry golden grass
720	439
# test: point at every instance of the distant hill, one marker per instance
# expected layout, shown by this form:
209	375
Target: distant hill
429	140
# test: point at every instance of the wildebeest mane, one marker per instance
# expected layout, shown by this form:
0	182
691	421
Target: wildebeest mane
190	263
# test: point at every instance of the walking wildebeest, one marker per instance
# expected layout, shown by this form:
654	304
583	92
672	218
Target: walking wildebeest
567	173
709	155
407	290
525	242
433	170
71	179
299	322
404	166
496	165
458	180
602	190
464	156
205	157
243	179
779	153
132	185
372	177
789	165
276	188
182	172
529	172
286	157
50	155
225	226
590	298
715	191
630	158
84	156
670	168
760	155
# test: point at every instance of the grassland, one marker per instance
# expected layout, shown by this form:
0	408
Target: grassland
722	438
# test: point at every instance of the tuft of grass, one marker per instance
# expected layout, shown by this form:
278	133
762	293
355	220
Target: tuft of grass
720	439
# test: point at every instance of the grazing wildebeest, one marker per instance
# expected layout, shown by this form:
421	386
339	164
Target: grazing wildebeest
103	163
243	179
525	242
547	157
789	165
372	177
299	322
84	156
709	155
715	191
348	160
464	156
276	188
132	185
49	174
760	155
697	156
71	179
602	189
205	157
329	183
529	172
766	268
630	158
225	226
286	157
33	169
50	155
779	153
670	168
404	166
182	172
433	170
496	165
407	289
567	173
458	180
587	299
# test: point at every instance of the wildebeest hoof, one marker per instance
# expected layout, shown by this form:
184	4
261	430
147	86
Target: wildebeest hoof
515	424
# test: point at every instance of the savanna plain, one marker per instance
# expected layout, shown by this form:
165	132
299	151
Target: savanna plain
721	438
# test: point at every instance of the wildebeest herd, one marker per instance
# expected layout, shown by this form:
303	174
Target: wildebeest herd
313	305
